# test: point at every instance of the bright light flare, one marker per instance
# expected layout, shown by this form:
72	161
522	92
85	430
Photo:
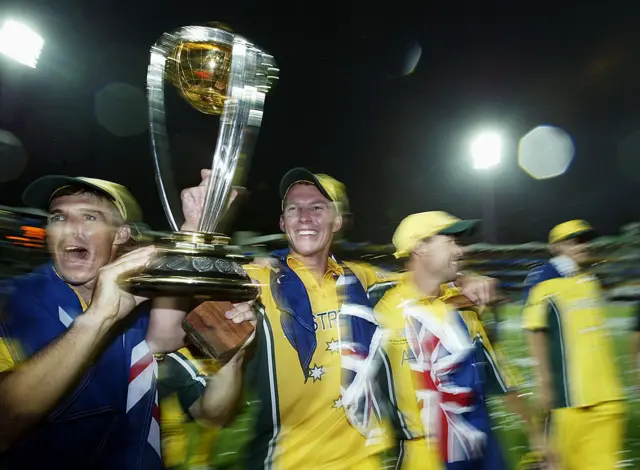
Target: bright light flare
545	152
486	150
20	43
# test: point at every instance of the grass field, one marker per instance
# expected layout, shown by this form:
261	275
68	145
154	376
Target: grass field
511	342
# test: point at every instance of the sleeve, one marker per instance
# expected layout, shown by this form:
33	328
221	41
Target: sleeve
260	273
10	351
179	375
534	315
499	376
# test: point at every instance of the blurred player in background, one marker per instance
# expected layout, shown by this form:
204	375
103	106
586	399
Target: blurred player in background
579	380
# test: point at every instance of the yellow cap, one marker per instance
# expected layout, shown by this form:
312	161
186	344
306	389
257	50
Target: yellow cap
417	227
39	194
122	198
330	187
570	229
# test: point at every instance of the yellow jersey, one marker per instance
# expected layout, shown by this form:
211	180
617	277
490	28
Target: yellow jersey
302	423
568	305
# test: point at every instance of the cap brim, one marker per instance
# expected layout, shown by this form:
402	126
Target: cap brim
38	194
462	227
297	175
586	235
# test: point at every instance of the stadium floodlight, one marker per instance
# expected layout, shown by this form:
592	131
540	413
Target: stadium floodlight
486	150
20	43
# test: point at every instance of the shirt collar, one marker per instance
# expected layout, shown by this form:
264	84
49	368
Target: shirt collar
565	266
83	304
409	290
333	267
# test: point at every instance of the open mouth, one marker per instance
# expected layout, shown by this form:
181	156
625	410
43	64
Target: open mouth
75	253
306	233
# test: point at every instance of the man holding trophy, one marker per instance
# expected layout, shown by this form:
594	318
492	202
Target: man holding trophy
77	386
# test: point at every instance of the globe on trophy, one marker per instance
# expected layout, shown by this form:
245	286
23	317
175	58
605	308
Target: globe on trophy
219	73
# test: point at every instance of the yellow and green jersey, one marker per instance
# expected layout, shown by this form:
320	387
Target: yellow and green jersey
302	423
185	444
568	305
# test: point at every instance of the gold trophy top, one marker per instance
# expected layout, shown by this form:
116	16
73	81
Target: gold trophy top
200	71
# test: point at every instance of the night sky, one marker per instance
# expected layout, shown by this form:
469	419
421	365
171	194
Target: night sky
346	106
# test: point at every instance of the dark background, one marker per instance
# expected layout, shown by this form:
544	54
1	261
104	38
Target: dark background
347	105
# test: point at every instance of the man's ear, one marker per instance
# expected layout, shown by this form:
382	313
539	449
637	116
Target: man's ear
337	223
123	235
281	223
421	249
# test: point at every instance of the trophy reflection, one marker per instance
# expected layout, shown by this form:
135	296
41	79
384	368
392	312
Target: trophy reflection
221	74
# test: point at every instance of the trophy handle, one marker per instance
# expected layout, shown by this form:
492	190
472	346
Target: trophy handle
169	193
249	80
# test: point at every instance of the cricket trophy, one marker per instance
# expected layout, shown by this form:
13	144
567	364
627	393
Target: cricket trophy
219	73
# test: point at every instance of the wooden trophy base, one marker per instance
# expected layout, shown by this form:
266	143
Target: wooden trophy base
213	334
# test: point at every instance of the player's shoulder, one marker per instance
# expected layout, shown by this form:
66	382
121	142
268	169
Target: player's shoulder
362	269
540	275
390	296
260	270
23	297
370	275
387	305
376	281
31	283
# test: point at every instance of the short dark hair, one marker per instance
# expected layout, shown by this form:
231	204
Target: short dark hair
81	190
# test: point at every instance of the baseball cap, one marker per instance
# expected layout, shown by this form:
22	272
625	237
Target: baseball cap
571	229
40	193
329	187
423	225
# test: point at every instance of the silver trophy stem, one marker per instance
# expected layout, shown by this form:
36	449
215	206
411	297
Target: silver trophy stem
169	195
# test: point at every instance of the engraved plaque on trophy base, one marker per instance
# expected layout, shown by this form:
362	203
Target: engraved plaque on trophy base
193	264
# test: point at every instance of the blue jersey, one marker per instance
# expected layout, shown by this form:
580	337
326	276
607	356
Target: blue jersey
107	421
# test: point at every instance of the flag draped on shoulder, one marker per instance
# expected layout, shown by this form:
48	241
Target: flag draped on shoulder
361	342
441	361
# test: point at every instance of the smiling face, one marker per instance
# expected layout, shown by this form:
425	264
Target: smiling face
309	220
83	233
439	256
